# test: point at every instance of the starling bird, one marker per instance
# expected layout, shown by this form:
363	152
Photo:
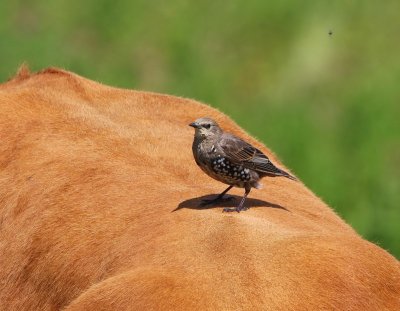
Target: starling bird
230	160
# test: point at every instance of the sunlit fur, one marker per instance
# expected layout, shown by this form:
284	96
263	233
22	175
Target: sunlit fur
99	199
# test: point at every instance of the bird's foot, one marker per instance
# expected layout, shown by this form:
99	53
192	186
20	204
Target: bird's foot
230	209
216	200
234	209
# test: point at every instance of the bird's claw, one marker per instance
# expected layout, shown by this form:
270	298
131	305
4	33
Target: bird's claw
234	209
230	209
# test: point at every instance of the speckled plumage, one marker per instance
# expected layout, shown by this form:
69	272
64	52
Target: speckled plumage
229	159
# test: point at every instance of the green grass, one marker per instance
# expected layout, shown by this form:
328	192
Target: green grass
329	106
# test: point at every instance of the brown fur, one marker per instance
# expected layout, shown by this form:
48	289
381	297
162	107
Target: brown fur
98	196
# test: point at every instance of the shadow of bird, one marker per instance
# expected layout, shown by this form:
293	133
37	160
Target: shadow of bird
200	203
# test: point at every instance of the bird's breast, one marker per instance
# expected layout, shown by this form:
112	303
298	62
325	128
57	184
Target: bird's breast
218	166
222	166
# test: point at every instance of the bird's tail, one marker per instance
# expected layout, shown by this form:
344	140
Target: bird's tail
287	175
269	169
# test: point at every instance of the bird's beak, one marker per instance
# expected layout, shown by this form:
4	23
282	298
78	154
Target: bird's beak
195	125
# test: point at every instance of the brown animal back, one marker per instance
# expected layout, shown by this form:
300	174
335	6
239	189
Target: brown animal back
99	200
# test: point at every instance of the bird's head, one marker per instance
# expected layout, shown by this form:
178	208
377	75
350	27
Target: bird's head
205	128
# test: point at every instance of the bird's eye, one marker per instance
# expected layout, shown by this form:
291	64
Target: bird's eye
207	126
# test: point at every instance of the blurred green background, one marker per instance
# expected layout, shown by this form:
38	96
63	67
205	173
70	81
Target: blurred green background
327	104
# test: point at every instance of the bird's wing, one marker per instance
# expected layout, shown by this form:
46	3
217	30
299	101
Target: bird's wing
241	152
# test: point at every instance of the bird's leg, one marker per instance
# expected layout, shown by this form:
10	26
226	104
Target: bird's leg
240	207
219	198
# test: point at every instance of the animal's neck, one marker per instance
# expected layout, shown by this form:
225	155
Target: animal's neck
205	141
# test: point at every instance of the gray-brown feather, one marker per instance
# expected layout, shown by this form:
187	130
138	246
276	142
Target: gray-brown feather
211	158
250	157
229	159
